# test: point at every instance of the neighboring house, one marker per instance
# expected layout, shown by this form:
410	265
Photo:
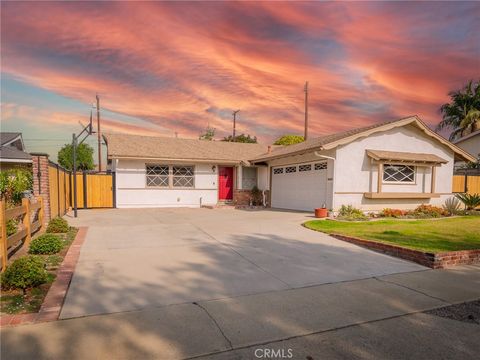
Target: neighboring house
396	164
471	144
12	151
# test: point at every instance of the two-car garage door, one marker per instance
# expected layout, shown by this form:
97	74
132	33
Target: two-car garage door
300	186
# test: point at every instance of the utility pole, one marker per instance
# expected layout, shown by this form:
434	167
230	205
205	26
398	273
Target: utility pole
99	136
306	110
234	123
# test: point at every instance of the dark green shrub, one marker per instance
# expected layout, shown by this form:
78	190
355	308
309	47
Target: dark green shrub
25	272
46	244
471	201
57	225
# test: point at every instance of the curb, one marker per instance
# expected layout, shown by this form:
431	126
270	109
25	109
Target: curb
53	302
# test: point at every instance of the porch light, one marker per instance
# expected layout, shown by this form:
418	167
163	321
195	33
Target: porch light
213	168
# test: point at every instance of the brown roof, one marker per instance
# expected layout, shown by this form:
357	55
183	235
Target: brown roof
333	140
405	157
170	148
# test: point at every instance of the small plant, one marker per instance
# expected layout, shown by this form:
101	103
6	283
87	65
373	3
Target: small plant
395	213
452	206
471	201
256	196
350	213
12	227
57	225
25	272
46	244
425	211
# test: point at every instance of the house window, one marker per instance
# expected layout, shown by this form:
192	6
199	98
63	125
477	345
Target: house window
278	171
321	166
305	167
157	175
290	169
398	173
183	176
249	177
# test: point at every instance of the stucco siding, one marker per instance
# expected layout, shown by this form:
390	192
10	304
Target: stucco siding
133	192
471	145
355	174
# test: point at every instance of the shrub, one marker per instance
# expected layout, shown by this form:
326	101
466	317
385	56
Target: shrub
429	211
12	227
350	213
25	272
57	225
13	183
257	197
471	201
452	206
393	213
46	244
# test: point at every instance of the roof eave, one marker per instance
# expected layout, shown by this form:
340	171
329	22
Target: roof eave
184	160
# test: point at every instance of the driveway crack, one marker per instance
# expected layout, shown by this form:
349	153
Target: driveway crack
412	289
216	324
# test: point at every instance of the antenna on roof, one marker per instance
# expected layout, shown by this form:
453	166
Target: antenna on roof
234	123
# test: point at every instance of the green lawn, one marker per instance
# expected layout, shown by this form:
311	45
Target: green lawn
450	234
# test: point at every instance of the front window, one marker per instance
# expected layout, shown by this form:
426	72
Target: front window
183	176
398	173
249	177
157	175
170	176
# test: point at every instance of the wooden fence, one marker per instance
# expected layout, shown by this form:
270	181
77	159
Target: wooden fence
59	181
466	183
27	225
95	190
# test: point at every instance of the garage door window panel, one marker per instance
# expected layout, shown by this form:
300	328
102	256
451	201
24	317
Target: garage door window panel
157	175
303	168
321	166
290	169
278	171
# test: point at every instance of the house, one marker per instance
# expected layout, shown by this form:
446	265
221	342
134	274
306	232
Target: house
12	151
397	164
471	144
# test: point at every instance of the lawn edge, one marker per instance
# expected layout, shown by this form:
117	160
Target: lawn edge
438	260
53	301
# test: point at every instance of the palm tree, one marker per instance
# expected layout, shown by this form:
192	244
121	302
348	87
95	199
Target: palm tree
463	112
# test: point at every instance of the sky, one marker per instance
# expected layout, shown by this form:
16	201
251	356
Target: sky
162	68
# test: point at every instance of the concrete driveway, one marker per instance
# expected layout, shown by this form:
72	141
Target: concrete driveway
140	258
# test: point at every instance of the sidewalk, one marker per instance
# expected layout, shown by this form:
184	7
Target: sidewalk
371	318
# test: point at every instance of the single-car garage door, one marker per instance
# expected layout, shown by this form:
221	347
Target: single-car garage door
300	186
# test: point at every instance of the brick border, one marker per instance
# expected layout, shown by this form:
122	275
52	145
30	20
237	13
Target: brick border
53	302
433	260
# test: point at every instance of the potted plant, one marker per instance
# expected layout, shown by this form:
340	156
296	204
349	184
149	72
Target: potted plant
330	213
321	212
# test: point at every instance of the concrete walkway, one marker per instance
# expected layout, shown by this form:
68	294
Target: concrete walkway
371	318
137	258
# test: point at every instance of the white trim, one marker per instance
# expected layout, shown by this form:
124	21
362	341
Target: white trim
15	160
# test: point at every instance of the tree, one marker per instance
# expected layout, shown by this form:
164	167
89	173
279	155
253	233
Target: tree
463	112
242	138
289	140
209	134
84	157
13	183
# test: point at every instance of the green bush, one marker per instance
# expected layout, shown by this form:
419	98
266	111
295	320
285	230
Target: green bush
13	183
46	244
452	206
350	213
57	225
471	201
12	227
25	272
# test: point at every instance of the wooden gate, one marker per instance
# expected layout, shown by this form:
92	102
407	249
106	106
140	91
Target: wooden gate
466	183
95	190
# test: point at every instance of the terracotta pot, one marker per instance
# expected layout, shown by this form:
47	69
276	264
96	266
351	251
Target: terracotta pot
321	212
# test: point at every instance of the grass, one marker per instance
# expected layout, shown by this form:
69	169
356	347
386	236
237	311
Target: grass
15	302
438	235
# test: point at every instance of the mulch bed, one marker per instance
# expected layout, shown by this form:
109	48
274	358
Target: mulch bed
467	312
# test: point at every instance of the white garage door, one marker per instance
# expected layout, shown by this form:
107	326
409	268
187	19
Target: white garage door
300	186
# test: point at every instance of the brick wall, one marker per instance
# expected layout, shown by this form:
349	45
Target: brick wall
432	260
41	186
242	197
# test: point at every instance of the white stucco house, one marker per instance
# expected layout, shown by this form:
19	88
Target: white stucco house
396	164
471	144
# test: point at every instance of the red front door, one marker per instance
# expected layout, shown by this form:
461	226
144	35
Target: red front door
225	183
